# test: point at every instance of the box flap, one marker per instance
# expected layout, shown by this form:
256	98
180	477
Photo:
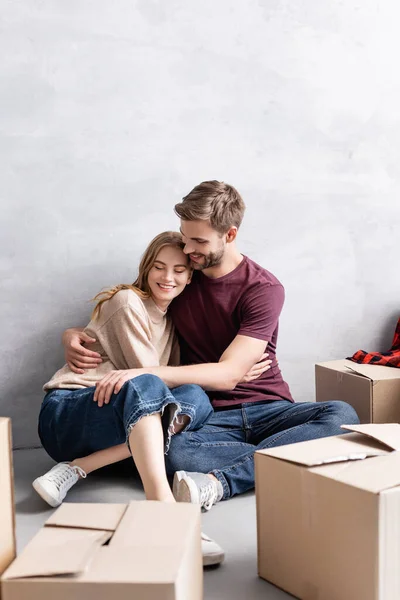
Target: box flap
375	475
104	517
373	372
173	520
352	446
134	565
385	433
57	551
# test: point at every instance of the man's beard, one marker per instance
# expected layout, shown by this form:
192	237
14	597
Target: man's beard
212	259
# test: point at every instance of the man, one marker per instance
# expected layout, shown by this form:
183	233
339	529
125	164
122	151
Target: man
226	319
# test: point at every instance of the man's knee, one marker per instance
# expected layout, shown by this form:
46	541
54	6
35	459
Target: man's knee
344	413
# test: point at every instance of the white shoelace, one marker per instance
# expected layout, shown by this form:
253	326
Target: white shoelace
208	495
66	475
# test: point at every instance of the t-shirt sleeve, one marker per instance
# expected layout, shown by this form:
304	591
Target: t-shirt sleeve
126	339
261	310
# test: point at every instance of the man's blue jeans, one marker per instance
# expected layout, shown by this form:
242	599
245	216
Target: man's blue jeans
72	425
225	446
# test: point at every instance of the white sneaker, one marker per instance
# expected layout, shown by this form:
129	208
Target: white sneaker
212	553
54	485
197	488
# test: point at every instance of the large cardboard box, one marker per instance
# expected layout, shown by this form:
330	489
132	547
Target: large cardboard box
373	390
140	551
7	524
328	515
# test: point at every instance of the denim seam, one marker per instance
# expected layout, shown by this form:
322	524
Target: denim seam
150	405
216	429
154	404
245	420
218	444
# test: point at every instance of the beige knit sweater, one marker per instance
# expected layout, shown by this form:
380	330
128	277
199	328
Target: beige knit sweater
130	333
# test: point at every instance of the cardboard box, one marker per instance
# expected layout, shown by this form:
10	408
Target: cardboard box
141	551
372	390
7	517
328	515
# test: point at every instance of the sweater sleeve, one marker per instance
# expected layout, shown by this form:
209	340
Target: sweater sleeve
126	339
174	359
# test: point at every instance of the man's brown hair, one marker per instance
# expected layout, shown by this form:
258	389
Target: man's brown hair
213	201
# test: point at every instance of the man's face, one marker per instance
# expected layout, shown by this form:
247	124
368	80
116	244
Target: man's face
204	245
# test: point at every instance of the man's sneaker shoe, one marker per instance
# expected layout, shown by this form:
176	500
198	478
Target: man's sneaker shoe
197	488
54	485
212	553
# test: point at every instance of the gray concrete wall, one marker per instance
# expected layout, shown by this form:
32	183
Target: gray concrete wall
112	111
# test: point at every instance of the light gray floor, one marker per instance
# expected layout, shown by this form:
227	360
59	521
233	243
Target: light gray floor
231	523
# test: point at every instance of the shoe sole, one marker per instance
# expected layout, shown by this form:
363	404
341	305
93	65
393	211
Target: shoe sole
37	486
184	489
210	560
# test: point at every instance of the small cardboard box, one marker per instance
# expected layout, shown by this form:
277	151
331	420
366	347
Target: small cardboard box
141	551
328	515
7	517
372	390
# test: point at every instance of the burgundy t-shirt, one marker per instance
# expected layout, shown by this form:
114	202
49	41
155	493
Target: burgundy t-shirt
210	313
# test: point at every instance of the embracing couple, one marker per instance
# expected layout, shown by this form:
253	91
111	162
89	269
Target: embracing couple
179	370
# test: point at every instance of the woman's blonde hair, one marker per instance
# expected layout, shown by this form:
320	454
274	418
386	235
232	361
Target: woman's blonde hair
140	286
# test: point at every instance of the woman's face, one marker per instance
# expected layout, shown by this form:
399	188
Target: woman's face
168	276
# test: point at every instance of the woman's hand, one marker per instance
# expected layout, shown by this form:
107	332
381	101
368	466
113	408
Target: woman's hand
257	369
77	357
112	383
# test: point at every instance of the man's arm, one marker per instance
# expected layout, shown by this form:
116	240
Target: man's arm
233	365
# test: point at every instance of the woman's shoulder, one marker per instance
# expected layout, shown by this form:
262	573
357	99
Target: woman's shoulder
124	299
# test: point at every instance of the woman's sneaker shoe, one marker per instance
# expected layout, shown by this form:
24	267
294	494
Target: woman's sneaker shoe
212	553
197	488
54	485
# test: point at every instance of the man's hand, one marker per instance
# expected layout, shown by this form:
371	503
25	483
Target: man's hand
112	383
77	357
258	369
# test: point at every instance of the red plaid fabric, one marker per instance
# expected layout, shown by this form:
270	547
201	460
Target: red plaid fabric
389	359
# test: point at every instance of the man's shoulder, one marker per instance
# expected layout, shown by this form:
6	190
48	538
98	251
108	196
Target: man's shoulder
255	273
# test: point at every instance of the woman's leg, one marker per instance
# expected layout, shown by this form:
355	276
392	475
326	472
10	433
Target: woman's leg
187	407
102	458
146	442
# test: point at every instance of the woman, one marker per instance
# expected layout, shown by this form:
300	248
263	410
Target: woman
83	431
